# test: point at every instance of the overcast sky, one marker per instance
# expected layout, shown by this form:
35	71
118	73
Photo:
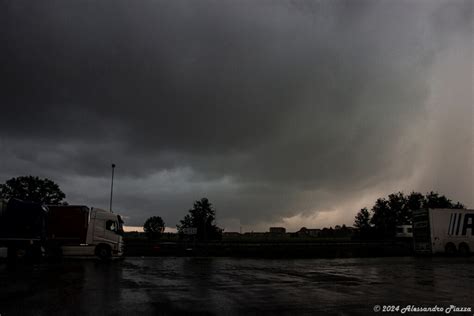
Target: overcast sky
293	113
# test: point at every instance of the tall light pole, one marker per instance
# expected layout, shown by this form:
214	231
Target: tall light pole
112	186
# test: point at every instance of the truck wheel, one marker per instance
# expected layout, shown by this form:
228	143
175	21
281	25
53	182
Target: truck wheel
450	249
464	249
103	252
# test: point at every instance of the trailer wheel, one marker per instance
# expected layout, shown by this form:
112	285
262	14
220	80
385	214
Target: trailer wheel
103	252
464	249
450	249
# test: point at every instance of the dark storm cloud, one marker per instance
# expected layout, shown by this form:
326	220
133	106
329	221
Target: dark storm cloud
277	98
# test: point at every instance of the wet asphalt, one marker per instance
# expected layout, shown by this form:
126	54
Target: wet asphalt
223	286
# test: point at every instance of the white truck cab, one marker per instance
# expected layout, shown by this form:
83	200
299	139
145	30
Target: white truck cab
105	229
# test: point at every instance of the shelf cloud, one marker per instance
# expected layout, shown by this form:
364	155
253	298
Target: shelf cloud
275	111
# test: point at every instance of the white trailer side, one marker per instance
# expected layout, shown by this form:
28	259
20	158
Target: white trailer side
444	231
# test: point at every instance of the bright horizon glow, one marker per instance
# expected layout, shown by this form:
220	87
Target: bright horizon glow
140	229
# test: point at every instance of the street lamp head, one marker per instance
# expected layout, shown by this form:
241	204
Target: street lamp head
113	165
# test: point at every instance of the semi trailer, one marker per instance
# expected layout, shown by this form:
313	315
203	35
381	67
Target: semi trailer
35	230
446	231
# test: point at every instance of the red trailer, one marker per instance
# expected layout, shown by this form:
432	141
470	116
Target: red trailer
68	224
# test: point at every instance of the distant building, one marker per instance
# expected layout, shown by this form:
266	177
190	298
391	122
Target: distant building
312	232
255	234
231	234
277	230
338	231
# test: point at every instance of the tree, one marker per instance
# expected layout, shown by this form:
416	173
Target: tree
398	209
154	227
397	202
434	200
32	189
415	201
362	220
202	216
384	218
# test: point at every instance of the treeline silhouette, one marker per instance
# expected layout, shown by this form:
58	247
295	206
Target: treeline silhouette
199	224
380	222
397	209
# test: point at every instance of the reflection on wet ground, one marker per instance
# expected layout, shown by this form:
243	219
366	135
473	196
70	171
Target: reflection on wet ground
229	285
